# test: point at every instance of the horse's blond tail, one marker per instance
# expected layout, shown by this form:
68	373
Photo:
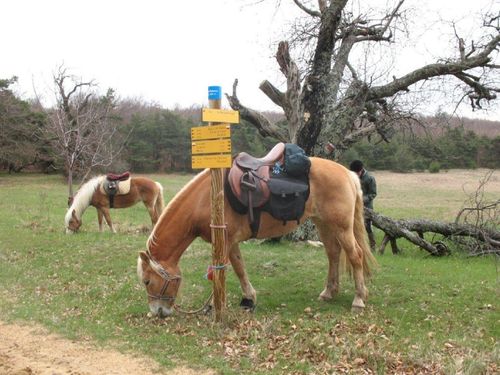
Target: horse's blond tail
160	202
369	260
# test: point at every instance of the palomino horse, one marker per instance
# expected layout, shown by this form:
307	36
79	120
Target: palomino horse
335	205
141	189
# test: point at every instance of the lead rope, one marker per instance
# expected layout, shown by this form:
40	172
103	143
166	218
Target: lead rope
205	306
202	308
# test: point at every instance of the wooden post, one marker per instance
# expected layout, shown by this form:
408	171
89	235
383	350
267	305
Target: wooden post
218	229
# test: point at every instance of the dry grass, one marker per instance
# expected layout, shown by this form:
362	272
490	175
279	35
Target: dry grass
433	196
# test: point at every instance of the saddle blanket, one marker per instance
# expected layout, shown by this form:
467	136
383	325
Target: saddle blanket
123	186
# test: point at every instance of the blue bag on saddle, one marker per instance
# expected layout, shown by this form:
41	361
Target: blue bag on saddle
296	161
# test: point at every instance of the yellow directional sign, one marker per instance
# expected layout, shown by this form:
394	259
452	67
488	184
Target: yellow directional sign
211	161
211	132
220	115
211	146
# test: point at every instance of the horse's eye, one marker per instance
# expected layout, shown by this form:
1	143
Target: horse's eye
146	282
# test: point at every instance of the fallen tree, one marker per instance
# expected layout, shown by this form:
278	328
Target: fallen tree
414	230
475	229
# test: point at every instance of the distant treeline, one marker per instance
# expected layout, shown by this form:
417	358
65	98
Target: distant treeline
451	148
155	139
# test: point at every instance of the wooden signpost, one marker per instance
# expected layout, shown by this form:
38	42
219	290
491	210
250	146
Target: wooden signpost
211	148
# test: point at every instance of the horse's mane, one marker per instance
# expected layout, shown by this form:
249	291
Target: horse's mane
174	204
83	198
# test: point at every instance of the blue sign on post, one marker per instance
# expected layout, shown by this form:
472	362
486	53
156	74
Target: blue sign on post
214	92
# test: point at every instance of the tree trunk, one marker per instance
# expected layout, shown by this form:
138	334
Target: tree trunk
70	186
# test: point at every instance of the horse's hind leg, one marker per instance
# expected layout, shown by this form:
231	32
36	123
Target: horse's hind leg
152	213
249	294
355	255
332	250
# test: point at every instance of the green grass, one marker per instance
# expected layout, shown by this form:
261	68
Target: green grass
425	314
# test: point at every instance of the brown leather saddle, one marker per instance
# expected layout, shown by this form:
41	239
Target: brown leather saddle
248	184
118	177
111	185
248	177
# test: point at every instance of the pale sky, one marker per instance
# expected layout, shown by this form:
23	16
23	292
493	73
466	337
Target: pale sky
170	51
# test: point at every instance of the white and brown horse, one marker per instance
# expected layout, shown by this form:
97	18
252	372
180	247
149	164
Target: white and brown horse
141	189
335	205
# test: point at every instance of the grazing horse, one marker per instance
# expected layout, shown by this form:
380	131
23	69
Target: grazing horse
335	205
141	189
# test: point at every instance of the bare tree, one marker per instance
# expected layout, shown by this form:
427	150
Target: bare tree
483	214
329	98
81	126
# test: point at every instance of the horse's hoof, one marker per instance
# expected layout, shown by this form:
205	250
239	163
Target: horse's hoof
324	296
357	309
207	310
247	304
358	305
328	294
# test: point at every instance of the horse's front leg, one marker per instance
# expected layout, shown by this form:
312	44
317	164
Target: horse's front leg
249	295
105	211
99	219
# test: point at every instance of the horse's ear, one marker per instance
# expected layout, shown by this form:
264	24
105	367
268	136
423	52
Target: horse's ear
144	257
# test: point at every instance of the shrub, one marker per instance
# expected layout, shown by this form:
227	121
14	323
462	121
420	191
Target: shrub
434	167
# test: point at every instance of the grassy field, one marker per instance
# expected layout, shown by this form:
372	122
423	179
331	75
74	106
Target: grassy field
425	315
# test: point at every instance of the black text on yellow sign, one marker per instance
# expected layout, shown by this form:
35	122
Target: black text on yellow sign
211	146
211	161
220	115
211	132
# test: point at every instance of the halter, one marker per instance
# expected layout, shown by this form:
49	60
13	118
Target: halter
162	272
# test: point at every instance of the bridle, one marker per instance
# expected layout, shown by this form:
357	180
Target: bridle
163	273
167	278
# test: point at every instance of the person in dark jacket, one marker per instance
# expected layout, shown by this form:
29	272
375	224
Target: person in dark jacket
369	187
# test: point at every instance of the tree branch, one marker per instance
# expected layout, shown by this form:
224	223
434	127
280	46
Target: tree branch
292	105
276	96
434	70
263	125
312	13
480	91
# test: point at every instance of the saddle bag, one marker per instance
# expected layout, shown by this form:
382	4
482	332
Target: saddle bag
287	199
296	162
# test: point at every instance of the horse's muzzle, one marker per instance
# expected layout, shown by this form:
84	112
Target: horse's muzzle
162	311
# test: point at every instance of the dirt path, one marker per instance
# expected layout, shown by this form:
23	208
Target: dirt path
28	350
